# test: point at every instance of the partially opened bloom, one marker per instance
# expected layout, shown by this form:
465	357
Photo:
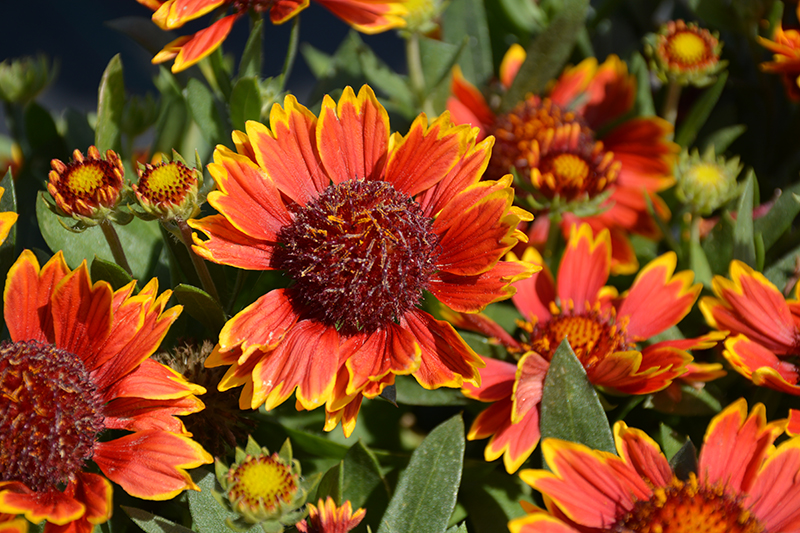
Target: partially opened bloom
684	53
706	182
367	16
785	47
77	365
552	143
327	517
763	326
604	330
363	222
743	483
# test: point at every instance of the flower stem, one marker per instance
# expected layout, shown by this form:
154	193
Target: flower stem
416	74
670	109
116	246
199	265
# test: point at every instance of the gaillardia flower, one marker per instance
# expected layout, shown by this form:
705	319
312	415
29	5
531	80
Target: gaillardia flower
89	189
553	146
262	488
367	16
78	364
684	53
603	328
363	222
168	190
706	182
327	517
763	327
743	483
785	47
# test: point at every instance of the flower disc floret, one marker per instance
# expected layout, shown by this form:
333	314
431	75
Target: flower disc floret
684	53
50	414
260	485
168	190
361	254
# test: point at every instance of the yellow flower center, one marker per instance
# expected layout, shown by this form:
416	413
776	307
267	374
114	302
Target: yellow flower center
261	484
687	48
706	175
165	183
85	179
686	507
591	335
86	184
554	149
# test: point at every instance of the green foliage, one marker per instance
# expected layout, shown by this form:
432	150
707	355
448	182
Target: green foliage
110	107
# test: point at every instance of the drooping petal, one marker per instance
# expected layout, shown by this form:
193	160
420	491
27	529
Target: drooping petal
468	294
27	296
228	246
154	381
51	505
647	155
151	464
761	366
262	323
658	299
95	493
446	360
573	81
467	105
283	10
535	294
287	150
528	385
202	43
734	447
514	441
14	525
610	93
173	14
642	454
353	136
479	323
584	268
633	372
368	16
497	381
391	349
306	359
137	414
512	61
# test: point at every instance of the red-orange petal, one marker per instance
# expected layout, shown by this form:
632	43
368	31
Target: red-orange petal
497	381
353	136
468	106
761	366
584	268
642	454
643	372
229	246
447	361
14	525
528	385
368	16
470	294
263	323
774	497
151	464
203	43
95	493
51	505
535	294
390	349
154	381
283	10
137	414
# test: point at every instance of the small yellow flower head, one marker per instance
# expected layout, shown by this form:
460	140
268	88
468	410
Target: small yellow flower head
706	182
684	53
263	488
21	80
422	15
168	190
88	189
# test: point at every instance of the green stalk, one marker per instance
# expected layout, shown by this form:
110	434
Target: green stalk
116	246
199	265
416	74
670	110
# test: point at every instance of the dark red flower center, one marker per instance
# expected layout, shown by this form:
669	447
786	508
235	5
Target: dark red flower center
553	148
259	6
50	414
360	254
686	507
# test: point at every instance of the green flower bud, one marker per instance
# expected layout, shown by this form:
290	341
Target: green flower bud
706	183
21	80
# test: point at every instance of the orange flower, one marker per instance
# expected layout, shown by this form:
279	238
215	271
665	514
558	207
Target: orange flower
327	517
363	222
77	365
367	16
604	330
552	142
763	327
684	53
743	483
785	48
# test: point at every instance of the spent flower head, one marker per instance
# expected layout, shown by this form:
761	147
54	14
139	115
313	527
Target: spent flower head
706	182
684	53
89	189
262	488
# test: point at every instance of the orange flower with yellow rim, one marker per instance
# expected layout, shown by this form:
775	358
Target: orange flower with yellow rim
785	47
604	330
367	16
553	143
79	364
363	222
743	483
764	332
327	517
684	53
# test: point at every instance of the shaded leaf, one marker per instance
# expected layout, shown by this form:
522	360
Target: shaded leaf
250	64
203	107
723	138
201	306
110	105
245	102
331	484
684	462
409	392
644	94
780	216
465	21
669	440
571	409
744	247
362	475
108	271
690	125
491	496
152	523
426	492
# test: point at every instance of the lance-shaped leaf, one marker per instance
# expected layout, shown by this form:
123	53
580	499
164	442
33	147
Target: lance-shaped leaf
699	113
110	105
744	247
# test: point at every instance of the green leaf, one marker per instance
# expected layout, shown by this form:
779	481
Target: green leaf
245	102
699	113
571	409
8	254
426	492
42	133
114	274
644	95
141	241
460	528
547	53
698	263
780	216
669	441
387	81
110	105
201	306
203	107
173	117
315	444
693	402
744	247
466	21
491	496
409	392
250	65
331	484
152	523
723	138
718	245
362	475
684	462
208	516
79	132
